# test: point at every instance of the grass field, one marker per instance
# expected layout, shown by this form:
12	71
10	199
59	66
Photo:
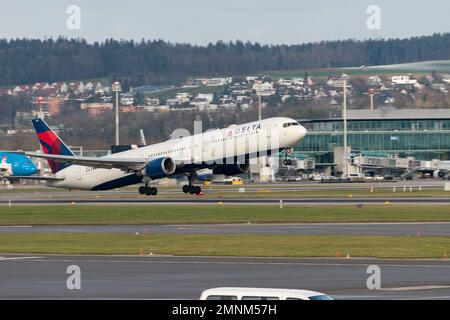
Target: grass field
221	245
101	215
325	73
417	68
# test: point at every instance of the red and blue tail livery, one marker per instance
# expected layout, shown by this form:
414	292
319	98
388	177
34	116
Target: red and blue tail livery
51	144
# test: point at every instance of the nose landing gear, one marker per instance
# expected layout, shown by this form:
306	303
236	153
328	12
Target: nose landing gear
287	161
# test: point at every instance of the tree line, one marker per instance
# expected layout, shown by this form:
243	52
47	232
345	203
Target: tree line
24	61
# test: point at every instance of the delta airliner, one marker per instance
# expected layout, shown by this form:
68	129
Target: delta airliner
226	151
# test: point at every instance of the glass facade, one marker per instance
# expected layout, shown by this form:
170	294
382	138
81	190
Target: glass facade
424	139
379	125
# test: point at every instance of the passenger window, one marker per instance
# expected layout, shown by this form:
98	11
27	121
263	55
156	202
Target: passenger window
260	298
221	298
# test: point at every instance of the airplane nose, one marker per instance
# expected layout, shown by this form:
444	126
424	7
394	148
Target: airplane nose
302	132
296	133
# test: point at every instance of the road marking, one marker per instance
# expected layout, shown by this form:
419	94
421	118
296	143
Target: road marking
416	288
5	227
427	298
18	258
278	263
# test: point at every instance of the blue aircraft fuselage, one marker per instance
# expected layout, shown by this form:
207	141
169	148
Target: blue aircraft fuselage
16	164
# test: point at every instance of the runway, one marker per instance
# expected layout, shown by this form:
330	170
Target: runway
255	194
231	201
379	229
166	277
44	277
284	186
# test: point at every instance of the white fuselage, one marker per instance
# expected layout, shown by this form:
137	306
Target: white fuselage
210	149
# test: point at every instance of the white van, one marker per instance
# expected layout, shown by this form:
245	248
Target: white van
355	176
261	294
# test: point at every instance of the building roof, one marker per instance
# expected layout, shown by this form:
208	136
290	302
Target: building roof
393	114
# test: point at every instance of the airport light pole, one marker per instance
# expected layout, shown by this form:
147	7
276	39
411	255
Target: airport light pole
371	95
117	88
344	116
259	106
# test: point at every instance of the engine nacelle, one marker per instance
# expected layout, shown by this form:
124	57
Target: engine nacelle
232	169
439	174
159	168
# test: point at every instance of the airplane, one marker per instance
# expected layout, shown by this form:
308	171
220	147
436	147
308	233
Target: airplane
442	169
226	151
15	165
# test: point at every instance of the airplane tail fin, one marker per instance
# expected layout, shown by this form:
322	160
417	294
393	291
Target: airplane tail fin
51	144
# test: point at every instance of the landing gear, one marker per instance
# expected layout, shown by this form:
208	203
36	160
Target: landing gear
148	191
191	189
287	161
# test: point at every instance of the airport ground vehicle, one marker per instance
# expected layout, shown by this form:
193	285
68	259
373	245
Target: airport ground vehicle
233	180
261	294
356	177
293	179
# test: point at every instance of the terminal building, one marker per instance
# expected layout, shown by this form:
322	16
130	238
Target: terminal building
387	138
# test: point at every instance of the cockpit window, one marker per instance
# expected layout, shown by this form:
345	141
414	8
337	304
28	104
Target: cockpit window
288	124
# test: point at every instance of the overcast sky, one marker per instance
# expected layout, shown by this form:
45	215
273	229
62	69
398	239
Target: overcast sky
203	21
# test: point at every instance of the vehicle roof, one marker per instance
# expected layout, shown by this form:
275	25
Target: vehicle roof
243	291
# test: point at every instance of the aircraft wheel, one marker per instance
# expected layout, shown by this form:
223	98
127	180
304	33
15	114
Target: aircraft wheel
142	190
149	191
197	190
186	188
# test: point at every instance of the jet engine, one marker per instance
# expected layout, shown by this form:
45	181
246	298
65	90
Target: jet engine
439	174
159	168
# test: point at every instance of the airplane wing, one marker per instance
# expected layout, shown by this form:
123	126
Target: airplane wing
34	178
126	164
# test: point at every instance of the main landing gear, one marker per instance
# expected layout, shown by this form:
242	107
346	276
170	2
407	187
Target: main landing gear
148	190
191	189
